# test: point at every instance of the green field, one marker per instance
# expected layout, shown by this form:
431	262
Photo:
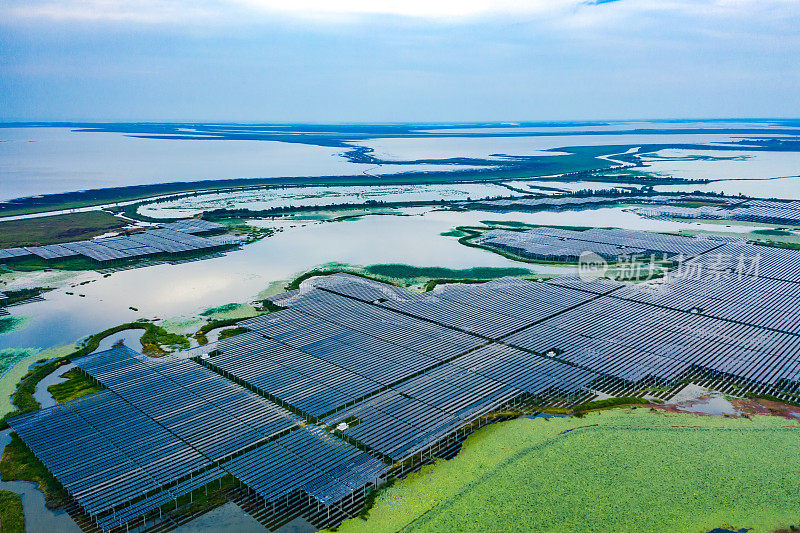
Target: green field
231	332
408	275
413	274
77	385
620	470
11	517
57	229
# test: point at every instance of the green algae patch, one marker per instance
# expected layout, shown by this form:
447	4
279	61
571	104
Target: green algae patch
231	310
12	323
410	272
11	356
417	277
453	233
274	288
181	325
12	376
618	470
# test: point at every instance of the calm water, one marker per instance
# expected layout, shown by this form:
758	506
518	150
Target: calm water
411	148
49	160
725	165
788	188
55	159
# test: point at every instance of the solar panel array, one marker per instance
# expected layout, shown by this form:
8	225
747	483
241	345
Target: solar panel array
633	341
543	203
216	417
173	238
768	211
592	334
164	428
551	248
146	243
767	303
319	399
108	454
745	260
13	253
526	204
650	243
556	244
194	225
398	374
308	460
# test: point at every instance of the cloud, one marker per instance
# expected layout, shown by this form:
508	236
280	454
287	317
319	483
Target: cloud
364	60
435	9
156	11
570	14
141	11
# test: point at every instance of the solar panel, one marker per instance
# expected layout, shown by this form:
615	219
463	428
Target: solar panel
317	400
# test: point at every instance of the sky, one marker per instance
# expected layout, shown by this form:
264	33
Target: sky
398	60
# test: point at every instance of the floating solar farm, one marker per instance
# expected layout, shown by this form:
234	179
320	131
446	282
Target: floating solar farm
354	381
723	208
750	210
173	239
556	244
571	202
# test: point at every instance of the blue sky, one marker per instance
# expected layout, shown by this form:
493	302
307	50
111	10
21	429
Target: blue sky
397	61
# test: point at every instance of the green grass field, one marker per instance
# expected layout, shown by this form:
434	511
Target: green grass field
412	276
619	470
57	228
231	332
11	517
77	385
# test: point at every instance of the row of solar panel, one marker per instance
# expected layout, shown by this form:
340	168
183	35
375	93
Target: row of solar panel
567	201
401	417
548	248
165	428
773	213
655	243
746	260
758	301
175	237
308	460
